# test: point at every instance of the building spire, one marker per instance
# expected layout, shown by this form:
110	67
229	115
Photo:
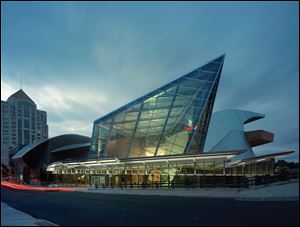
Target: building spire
21	82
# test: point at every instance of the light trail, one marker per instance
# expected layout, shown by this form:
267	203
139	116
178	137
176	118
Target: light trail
33	188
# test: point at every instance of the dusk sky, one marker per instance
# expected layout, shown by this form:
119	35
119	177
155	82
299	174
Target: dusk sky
81	60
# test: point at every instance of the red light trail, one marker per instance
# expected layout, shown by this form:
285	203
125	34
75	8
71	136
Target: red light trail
32	188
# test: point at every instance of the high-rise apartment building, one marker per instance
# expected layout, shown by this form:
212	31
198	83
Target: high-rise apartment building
21	123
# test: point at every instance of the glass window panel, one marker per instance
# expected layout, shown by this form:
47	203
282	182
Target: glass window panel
169	92
200	168
149	144
126	132
158	107
187	90
193	73
118	126
143	124
208	86
171	124
155	131
181	101
103	132
137	148
158	113
170	138
148	105
130	114
212	67
150	100
26	110
209	167
203	95
146	115
26	137
114	133
165	104
199	103
218	60
121	145
188	82
157	123
164	149
207	76
177	149
165	99
26	123
176	111
133	109
141	131
196	112
181	139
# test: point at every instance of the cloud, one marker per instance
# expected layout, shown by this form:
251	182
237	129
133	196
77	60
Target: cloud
70	110
70	127
6	90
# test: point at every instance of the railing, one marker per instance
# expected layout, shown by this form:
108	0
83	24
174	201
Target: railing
180	181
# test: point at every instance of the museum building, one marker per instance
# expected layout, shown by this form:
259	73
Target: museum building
166	138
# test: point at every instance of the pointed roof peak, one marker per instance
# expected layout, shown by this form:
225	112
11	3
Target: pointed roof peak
219	59
21	95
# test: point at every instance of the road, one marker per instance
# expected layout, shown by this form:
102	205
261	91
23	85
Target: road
77	208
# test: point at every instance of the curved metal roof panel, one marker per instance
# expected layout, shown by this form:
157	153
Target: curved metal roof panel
28	148
221	125
70	147
54	143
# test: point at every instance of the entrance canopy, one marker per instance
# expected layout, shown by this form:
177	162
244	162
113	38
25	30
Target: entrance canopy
185	158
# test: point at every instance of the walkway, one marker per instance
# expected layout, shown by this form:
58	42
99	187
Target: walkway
13	217
281	191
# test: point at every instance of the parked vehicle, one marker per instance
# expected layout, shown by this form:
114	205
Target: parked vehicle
52	186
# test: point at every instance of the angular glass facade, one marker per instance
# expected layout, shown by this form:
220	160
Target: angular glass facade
171	120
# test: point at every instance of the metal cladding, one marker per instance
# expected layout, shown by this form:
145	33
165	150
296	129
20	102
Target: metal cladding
68	146
170	120
259	137
226	132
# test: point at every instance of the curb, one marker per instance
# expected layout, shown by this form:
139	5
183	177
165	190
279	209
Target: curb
41	222
288	198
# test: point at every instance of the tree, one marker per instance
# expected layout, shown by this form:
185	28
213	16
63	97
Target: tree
282	164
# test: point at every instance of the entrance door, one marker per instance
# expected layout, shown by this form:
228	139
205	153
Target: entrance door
99	179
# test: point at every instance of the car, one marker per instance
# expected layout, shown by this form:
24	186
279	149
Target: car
52	186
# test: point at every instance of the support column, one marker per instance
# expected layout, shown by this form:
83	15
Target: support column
135	128
167	119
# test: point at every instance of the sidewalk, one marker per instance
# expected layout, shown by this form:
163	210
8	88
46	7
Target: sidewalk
185	192
276	192
13	217
281	191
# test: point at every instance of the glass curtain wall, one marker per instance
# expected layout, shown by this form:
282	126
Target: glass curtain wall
170	120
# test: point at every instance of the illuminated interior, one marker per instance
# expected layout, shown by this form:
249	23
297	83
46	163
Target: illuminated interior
170	120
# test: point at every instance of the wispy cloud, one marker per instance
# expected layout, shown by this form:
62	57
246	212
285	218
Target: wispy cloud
68	109
71	127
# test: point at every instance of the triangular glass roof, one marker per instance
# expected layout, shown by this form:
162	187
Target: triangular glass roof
172	119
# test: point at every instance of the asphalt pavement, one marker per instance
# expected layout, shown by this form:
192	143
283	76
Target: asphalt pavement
88	209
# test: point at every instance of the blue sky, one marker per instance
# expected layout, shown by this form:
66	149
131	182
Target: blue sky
81	60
